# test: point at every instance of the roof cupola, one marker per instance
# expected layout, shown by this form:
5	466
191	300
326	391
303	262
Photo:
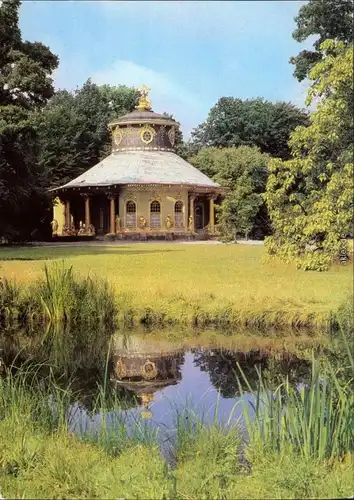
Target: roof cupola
142	129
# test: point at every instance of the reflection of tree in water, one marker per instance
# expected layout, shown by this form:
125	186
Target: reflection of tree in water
225	376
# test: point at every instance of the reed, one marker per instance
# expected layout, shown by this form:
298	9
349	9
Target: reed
315	420
66	299
10	301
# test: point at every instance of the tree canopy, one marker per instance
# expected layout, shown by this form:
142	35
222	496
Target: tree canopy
25	86
243	171
310	197
73	132
324	19
253	122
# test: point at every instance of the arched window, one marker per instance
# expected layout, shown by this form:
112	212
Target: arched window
178	214
130	214
155	215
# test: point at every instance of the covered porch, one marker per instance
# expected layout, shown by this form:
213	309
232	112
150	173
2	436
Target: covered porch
125	213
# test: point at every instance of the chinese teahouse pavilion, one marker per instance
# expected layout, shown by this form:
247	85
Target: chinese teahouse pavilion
141	189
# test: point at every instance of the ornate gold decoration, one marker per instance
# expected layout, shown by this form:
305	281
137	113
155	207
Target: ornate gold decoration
146	398
155	197
146	414
190	223
81	228
120	369
147	134
91	231
55	227
129	197
117	224
161	132
69	230
117	136
128	131
172	135
148	370
144	103
142	222
168	222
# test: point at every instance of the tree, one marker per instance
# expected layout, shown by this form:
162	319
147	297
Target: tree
254	122
243	171
73	130
310	197
326	19
25	86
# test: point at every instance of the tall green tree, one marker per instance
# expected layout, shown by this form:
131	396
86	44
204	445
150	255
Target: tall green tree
310	197
243	171
73	131
324	19
25	86
253	122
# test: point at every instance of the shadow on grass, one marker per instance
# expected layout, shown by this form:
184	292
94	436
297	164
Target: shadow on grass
52	253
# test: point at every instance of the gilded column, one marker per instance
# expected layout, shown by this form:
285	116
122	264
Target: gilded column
211	214
191	223
112	215
87	212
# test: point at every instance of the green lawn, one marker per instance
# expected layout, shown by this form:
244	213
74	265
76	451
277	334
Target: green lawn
184	282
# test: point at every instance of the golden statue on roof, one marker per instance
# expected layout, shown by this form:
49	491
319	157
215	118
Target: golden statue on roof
144	103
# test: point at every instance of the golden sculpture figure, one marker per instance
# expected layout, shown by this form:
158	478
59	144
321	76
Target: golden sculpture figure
81	228
190	223
168	222
55	226
144	103
117	224
91	231
142	222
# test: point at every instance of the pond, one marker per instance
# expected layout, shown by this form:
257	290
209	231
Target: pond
157	383
157	380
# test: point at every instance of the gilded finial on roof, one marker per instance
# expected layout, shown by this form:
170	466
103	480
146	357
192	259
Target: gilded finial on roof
144	103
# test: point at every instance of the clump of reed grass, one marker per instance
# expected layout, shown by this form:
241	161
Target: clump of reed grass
78	315
64	298
315	421
343	319
10	301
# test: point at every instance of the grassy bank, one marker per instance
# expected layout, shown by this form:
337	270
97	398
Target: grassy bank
308	455
196	285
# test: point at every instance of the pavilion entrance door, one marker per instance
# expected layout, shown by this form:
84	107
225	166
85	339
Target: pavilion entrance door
101	215
199	216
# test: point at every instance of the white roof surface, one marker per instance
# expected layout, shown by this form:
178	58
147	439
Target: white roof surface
142	167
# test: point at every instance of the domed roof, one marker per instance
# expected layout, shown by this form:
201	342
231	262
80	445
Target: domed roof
142	167
143	116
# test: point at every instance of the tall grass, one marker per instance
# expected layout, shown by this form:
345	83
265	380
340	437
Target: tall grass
68	299
59	297
9	300
69	318
315	420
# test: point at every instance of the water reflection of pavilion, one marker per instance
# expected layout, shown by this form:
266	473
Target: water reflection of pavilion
145	367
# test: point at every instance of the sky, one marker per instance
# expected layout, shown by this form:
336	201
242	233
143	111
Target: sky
189	53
